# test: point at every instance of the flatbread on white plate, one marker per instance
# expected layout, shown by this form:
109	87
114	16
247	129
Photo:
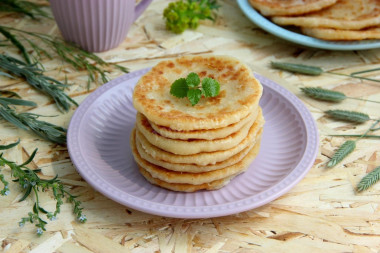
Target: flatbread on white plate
334	34
289	7
344	15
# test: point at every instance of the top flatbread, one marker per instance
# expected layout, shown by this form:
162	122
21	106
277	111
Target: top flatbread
289	7
239	93
345	15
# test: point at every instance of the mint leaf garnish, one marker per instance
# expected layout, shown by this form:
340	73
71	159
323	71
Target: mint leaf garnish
190	87
193	79
210	87
194	95
179	88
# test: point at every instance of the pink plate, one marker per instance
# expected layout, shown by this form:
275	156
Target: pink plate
98	143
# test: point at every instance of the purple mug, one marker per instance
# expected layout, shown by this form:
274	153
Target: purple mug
96	25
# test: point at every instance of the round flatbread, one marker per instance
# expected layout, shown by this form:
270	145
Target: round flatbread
209	134
217	184
193	146
204	158
344	15
239	93
194	168
289	7
193	178
334	34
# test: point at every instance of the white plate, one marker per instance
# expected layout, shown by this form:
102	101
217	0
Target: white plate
301	39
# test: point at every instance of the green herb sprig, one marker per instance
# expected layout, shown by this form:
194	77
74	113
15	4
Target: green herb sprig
29	121
316	71
35	78
368	180
27	8
181	15
190	87
347	147
30	182
68	52
329	95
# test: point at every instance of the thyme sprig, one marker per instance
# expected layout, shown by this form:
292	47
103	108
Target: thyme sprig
27	8
316	71
34	76
29	121
30	182
78	58
347	147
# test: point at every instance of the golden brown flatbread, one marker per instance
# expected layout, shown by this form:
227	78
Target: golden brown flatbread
289	7
334	34
344	15
239	93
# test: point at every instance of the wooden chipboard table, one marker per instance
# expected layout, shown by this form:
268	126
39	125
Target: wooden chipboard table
322	213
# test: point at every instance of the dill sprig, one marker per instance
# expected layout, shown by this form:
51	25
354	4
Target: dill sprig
347	147
34	77
368	180
30	182
24	7
316	71
351	116
29	121
329	95
78	58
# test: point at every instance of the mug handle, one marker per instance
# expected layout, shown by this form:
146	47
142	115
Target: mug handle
141	7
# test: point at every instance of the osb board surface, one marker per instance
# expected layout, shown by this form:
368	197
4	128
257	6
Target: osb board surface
322	213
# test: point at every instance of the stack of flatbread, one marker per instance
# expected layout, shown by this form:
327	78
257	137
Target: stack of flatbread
187	148
326	19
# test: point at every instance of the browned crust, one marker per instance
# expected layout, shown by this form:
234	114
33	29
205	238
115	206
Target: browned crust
178	114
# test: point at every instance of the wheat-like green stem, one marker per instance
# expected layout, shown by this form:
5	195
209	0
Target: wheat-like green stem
369	180
347	147
351	116
329	95
316	71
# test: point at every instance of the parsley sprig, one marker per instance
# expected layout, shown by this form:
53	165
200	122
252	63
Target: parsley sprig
30	182
181	15
190	87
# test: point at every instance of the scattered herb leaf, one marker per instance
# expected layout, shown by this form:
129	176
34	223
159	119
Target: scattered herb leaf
31	182
68	52
34	77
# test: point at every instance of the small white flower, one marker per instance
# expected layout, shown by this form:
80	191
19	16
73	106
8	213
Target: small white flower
82	218
25	185
33	183
53	218
6	187
6	193
21	224
39	231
